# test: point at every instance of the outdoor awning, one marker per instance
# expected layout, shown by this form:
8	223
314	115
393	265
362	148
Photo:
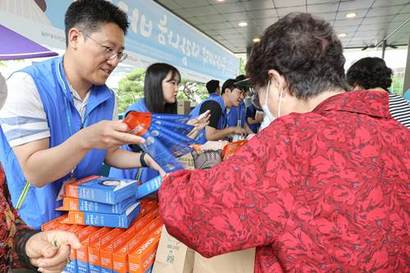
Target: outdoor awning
14	46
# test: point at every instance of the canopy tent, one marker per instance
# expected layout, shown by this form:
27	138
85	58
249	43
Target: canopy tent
14	46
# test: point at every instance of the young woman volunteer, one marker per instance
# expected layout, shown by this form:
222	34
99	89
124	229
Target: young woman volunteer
160	96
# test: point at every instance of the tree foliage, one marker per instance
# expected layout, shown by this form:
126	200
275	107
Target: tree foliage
130	89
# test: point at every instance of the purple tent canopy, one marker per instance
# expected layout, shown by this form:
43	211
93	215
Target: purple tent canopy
14	46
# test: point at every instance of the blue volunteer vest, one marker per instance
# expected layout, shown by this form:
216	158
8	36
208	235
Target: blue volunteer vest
63	121
235	114
144	174
201	138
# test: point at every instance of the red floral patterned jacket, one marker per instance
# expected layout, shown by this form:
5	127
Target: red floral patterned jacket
324	191
13	232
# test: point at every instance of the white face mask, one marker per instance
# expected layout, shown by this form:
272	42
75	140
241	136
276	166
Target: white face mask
3	91
268	117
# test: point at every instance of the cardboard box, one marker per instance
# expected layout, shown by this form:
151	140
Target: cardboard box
75	204
104	219
234	262
101	189
183	107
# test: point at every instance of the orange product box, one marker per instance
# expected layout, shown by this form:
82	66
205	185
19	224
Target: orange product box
120	253
147	207
82	252
75	217
93	245
106	261
71	188
144	220
53	223
149	201
143	256
123	220
140	223
72	266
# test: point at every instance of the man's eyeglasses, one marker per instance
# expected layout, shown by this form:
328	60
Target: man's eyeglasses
109	52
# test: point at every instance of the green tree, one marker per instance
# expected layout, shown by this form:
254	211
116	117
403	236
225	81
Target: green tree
192	91
130	89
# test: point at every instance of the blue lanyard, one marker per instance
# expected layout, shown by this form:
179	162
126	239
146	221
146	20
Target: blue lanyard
63	83
67	93
67	104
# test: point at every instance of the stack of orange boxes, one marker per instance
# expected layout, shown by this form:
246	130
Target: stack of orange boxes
108	250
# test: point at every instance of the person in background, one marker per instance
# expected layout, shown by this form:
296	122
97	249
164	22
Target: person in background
217	128
372	73
160	90
254	118
160	96
213	87
22	247
236	115
323	188
57	121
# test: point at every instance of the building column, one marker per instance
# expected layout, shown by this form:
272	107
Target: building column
406	84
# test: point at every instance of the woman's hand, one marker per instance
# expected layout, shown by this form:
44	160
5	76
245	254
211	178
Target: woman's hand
50	250
154	165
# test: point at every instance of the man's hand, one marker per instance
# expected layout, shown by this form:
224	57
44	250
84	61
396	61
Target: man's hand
238	131
50	250
259	116
108	135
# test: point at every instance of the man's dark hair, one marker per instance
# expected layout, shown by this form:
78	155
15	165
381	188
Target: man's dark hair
211	86
370	72
153	93
304	50
242	82
230	84
88	15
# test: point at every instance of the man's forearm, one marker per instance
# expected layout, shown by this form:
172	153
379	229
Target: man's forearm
123	159
49	164
213	134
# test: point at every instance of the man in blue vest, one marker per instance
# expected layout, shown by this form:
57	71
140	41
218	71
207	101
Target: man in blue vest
230	96
57	122
213	87
237	115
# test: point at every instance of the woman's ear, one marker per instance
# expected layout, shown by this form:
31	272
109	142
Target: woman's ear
279	81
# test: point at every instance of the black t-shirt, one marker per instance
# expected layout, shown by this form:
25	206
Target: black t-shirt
215	111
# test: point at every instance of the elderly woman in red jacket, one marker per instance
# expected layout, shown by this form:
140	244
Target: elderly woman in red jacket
22	247
324	188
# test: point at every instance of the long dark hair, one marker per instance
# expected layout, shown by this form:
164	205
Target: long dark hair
153	93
